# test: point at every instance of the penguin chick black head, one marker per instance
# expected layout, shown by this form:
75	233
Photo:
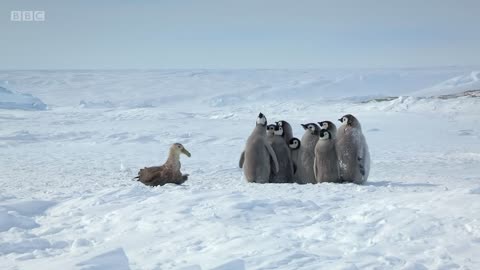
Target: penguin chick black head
278	130
325	124
294	143
312	127
325	135
350	120
261	119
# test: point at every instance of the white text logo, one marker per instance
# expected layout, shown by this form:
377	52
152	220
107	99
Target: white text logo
27	16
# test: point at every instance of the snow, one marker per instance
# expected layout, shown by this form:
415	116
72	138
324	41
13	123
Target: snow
15	100
458	84
115	259
67	200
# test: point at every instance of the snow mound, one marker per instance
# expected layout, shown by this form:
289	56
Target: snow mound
10	220
232	265
20	214
30	246
420	104
29	208
225	100
93	104
115	259
456	85
14	100
399	104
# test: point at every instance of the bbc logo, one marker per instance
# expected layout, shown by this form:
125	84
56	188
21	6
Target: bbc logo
27	16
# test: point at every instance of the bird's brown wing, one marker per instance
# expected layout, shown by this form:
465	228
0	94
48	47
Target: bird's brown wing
147	174
166	175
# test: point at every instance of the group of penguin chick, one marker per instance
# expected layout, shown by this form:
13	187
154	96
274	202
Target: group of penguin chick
324	154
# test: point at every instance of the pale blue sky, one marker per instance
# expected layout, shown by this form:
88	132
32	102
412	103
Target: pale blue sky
123	34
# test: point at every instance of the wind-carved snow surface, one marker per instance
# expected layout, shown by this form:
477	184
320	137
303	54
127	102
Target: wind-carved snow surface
15	100
454	85
67	200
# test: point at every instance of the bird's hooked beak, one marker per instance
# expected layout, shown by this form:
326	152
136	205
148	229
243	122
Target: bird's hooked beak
185	151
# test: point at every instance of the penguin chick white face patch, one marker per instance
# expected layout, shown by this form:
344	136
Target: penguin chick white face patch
324	136
270	130
294	145
261	120
324	125
344	120
279	131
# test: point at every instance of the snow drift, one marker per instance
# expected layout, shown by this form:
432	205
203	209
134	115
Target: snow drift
453	86
15	100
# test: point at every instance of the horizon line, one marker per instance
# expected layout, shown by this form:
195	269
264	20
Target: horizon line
243	68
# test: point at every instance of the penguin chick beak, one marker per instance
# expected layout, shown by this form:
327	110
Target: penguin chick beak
340	120
185	151
304	126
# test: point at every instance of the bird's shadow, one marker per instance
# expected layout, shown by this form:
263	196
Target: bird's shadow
399	184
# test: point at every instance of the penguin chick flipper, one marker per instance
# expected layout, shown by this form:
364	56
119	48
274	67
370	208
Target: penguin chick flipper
361	166
242	160
273	156
294	168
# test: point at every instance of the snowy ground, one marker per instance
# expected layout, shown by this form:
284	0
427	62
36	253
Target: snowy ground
67	200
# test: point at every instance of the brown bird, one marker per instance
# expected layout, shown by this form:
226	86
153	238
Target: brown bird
168	172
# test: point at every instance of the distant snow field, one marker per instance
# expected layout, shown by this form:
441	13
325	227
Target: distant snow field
71	141
14	100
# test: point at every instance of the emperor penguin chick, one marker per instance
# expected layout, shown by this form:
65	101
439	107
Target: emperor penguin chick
352	151
270	132
305	172
326	162
282	151
287	130
258	154
294	145
330	127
